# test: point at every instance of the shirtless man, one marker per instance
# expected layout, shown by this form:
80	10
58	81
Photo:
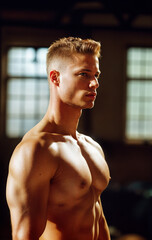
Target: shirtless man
56	175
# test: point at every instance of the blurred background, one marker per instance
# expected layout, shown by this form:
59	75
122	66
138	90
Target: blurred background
121	120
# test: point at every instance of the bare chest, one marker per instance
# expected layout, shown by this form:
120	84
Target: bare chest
81	167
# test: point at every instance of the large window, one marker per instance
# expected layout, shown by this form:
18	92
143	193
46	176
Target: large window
139	94
27	89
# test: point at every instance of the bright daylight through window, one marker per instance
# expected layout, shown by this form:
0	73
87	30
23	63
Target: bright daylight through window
27	89
139	94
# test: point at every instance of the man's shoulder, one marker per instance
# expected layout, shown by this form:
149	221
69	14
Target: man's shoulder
33	153
93	142
89	139
32	143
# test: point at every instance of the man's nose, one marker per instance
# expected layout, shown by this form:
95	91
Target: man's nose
94	83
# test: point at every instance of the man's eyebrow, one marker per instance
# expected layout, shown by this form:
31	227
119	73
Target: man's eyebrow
88	70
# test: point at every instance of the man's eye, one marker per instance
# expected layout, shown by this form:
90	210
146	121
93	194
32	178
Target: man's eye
83	74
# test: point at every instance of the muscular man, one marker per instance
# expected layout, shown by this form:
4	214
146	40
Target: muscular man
56	175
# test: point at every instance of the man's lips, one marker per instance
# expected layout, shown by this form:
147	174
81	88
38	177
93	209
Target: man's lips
91	94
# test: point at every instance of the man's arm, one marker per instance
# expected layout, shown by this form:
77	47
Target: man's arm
28	190
104	233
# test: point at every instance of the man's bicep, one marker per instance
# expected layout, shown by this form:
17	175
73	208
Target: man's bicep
27	196
27	208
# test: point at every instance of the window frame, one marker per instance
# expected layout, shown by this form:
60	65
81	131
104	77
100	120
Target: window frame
4	81
22	96
138	141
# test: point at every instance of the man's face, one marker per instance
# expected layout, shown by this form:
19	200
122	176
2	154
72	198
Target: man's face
79	81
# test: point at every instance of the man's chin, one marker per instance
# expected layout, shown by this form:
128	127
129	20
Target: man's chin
89	106
83	106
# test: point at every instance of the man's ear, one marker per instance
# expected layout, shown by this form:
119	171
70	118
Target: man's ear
54	77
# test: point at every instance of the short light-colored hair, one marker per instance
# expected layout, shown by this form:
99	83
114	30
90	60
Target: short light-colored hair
65	47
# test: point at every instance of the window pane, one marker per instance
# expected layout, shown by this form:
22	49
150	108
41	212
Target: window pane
139	63
139	114
14	86
24	62
30	87
139	94
148	109
41	60
27	97
27	124
148	71
43	104
13	107
148	89
43	88
13	127
132	129
29	106
133	88
133	108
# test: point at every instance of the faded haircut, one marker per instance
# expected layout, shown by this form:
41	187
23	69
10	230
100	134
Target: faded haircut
65	47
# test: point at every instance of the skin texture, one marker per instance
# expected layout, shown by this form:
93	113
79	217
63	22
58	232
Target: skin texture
56	175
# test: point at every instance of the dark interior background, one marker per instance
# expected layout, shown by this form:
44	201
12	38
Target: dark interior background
117	25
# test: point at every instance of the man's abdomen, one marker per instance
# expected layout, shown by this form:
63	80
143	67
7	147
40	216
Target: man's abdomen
79	223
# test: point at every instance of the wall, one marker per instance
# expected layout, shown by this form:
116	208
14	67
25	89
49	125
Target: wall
106	122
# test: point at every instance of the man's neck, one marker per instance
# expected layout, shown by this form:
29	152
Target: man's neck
62	119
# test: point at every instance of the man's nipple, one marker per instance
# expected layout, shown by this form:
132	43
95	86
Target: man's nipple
83	184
